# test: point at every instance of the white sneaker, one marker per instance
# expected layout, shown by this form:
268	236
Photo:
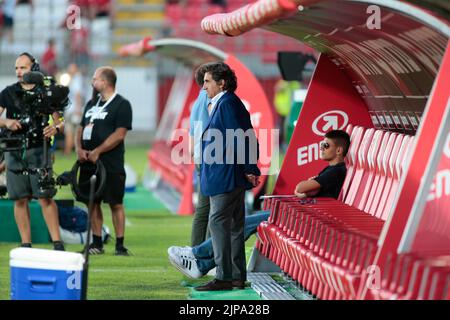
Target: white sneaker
184	260
181	251
212	272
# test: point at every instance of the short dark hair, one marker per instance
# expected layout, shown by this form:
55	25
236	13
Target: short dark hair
28	55
340	139
109	75
221	71
200	75
34	63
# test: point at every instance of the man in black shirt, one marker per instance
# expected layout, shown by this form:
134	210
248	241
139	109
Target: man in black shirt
196	261
21	186
328	182
104	125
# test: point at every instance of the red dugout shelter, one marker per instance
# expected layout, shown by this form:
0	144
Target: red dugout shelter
383	75
167	157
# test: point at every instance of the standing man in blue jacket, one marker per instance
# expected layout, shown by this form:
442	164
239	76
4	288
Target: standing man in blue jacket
198	120
228	169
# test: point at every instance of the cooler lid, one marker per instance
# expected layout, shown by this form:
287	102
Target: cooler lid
46	259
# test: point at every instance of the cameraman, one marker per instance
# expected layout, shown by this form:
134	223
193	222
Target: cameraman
22	186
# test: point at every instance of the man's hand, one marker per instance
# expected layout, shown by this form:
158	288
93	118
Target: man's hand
93	156
309	194
13	125
301	195
297	190
308	187
254	180
50	131
82	155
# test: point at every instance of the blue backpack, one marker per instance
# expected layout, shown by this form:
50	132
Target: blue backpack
73	218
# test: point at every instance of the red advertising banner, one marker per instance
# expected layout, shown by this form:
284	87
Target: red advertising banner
433	233
331	103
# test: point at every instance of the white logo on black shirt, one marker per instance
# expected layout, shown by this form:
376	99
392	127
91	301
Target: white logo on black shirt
94	114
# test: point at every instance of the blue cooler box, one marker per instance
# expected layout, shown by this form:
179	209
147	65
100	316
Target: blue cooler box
38	274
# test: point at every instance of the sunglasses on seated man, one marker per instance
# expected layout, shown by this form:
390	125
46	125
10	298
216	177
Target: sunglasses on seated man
324	145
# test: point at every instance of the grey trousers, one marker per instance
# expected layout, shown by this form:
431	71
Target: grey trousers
200	231
200	222
20	185
226	224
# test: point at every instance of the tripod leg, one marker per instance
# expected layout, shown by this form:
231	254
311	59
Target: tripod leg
93	181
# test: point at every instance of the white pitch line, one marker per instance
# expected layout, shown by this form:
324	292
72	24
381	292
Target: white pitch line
159	270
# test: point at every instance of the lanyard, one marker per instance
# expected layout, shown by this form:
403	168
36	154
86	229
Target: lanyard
97	110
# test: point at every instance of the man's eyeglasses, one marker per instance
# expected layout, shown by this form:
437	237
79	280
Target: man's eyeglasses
324	145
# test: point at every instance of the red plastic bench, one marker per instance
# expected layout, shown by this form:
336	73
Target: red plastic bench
326	244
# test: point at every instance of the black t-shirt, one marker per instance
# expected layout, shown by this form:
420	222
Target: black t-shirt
117	114
331	180
15	108
7	100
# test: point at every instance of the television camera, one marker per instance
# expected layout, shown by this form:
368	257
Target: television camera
35	105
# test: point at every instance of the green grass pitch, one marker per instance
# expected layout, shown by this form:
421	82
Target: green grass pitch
147	274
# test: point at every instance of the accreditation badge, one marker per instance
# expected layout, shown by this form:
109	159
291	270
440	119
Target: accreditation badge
87	131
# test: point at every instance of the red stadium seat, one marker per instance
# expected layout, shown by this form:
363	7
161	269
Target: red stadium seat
360	166
378	170
369	170
193	14
398	167
389	169
352	158
174	12
214	9
415	276
384	163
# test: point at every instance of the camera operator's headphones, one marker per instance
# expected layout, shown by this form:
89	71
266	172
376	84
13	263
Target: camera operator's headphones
35	65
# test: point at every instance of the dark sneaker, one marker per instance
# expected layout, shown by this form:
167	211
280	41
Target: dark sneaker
215	285
25	245
58	246
95	250
122	251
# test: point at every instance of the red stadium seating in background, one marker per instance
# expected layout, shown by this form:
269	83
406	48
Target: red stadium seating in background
184	19
94	8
